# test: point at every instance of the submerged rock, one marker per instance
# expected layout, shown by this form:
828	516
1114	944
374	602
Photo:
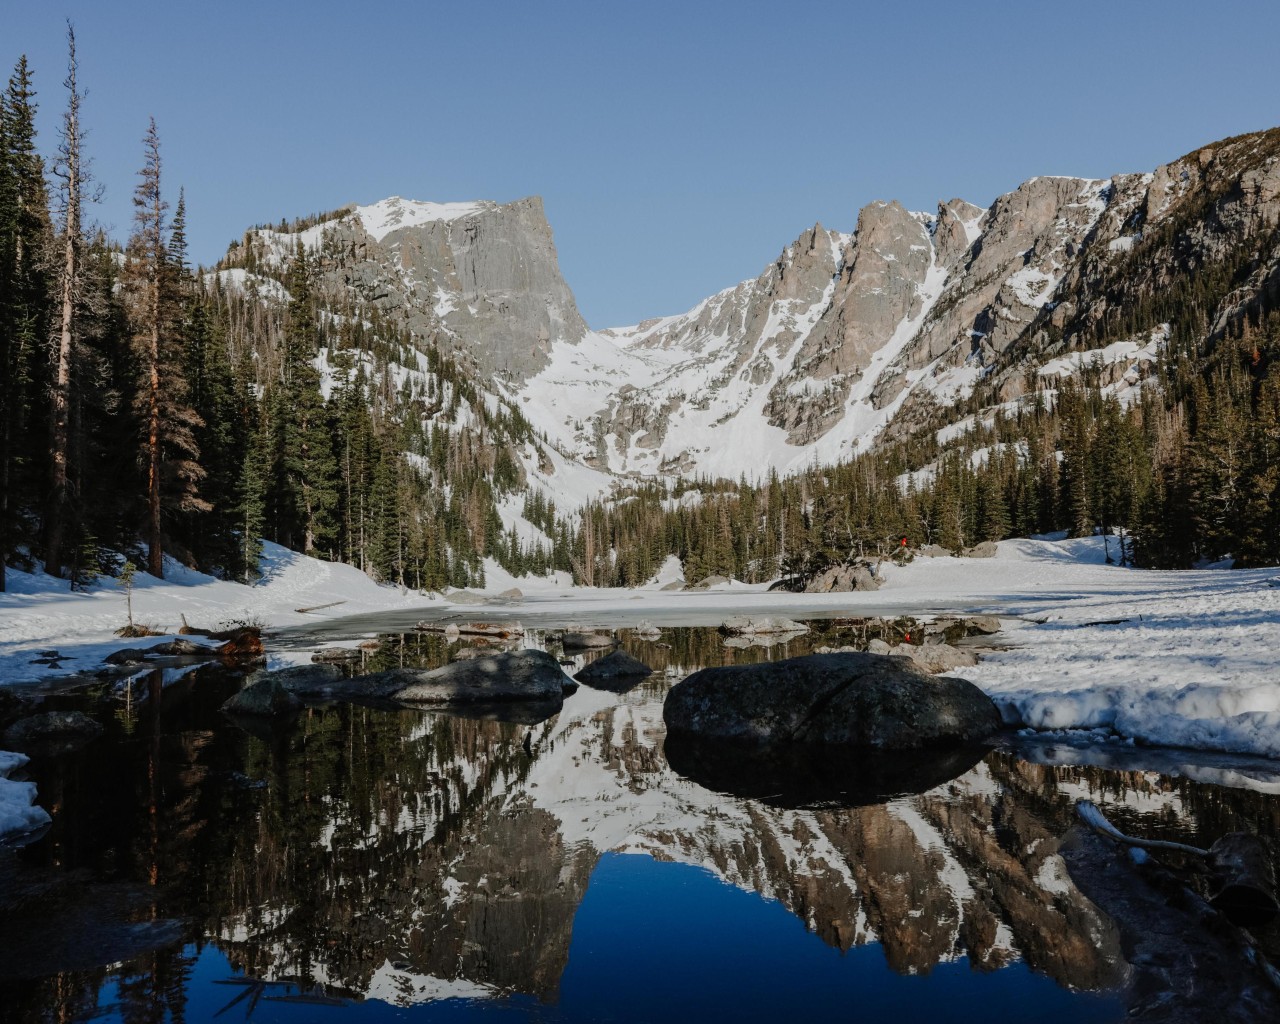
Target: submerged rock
616	672
65	730
862	701
265	698
647	631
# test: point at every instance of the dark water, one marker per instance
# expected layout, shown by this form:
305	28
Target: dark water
360	863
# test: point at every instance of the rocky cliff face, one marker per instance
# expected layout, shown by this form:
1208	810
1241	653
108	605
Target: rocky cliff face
480	278
842	337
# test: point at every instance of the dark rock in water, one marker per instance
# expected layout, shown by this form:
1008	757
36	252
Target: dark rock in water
183	648
1187	964
616	672
864	701
64	730
127	656
793	776
586	641
265	698
1244	880
515	675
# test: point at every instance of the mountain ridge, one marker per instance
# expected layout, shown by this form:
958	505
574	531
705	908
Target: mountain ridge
843	338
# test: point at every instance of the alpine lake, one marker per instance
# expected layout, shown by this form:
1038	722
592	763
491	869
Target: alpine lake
376	863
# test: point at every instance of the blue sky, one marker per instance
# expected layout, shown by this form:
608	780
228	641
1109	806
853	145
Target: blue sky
678	146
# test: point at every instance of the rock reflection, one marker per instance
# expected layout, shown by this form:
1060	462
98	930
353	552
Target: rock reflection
805	777
407	856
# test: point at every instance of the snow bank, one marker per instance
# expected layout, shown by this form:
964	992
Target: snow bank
18	812
40	613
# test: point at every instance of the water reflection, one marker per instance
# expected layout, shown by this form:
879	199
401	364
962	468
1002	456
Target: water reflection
362	853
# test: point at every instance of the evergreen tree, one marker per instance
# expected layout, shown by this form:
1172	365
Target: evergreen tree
25	238
169	449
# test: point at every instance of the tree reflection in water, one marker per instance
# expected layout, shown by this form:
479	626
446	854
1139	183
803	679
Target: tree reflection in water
362	853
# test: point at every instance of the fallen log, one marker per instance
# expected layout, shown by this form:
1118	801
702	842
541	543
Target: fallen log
318	607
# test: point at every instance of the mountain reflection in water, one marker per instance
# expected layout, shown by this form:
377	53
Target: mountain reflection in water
362	856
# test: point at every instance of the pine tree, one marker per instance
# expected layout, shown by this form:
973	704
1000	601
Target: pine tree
169	448
306	471
25	238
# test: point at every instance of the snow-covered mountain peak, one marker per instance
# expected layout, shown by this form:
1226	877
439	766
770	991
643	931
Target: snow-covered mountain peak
382	218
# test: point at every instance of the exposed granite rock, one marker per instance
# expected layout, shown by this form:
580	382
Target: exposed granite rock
517	675
843	579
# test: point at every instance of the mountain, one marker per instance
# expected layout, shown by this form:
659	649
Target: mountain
842	340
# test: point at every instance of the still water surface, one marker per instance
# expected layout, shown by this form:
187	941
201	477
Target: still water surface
366	863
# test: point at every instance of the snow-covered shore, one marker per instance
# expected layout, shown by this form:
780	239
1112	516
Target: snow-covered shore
1192	663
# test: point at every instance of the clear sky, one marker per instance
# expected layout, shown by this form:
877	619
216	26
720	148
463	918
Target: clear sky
678	146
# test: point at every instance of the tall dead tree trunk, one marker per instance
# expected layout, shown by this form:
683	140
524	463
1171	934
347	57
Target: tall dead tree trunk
70	172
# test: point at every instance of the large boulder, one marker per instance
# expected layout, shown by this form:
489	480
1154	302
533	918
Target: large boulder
843	579
466	597
514	675
860	701
616	672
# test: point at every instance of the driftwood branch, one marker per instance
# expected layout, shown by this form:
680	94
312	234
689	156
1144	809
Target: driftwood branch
1096	820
